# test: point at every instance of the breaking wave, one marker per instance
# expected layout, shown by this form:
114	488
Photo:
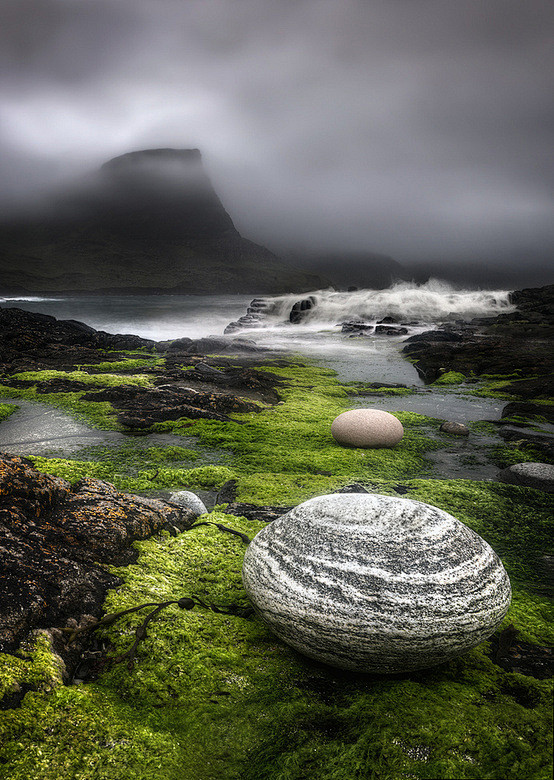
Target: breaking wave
434	301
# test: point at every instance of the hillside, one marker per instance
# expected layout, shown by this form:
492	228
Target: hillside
147	221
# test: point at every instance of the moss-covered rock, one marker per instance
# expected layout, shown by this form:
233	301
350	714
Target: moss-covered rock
6	410
449	378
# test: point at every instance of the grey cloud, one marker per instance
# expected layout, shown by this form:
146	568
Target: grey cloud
416	128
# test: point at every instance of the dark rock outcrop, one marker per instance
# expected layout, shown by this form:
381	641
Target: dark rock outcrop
141	407
519	341
256	312
28	339
436	335
356	327
528	411
56	538
208	345
390	330
264	514
300	310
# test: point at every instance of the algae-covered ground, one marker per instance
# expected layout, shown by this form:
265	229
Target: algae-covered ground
217	696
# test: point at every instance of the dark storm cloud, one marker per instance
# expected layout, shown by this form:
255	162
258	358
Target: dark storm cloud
412	127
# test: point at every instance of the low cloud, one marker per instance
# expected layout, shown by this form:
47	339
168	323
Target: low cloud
415	128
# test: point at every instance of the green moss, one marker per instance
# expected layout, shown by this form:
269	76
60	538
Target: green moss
363	389
484	428
281	454
128	467
6	410
100	380
155	477
504	455
450	378
213	696
128	365
493	386
34	666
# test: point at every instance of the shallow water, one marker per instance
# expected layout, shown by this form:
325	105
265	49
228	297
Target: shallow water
39	429
451	406
157	317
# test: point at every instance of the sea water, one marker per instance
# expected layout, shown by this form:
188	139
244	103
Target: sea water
373	358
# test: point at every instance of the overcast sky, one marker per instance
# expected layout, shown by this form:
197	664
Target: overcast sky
415	128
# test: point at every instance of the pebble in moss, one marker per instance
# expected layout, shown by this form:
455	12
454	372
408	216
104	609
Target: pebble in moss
190	501
367	428
455	428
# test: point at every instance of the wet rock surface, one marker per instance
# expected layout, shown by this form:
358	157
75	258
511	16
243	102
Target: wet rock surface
56	538
265	514
528	410
255	315
300	309
542	442
514	655
208	345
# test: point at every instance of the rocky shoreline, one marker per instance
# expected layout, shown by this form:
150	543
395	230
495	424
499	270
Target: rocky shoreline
515	343
65	531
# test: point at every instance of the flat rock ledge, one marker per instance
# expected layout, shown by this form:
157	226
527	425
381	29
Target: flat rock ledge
374	583
534	475
56	536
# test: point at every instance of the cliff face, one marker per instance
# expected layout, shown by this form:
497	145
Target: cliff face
147	221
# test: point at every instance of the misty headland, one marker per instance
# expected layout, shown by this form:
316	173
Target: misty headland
150	221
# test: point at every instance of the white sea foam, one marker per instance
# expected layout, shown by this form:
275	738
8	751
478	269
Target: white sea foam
434	301
27	298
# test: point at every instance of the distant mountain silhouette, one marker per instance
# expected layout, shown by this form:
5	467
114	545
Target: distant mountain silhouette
148	221
353	269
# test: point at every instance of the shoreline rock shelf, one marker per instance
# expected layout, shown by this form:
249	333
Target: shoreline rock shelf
373	583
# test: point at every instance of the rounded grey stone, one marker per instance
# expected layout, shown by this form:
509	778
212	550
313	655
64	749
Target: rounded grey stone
190	501
374	583
535	475
455	428
367	428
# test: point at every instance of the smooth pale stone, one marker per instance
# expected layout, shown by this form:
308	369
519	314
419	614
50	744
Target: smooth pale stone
367	428
535	475
374	583
190	501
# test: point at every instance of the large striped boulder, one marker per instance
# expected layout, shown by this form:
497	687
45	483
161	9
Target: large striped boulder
374	583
